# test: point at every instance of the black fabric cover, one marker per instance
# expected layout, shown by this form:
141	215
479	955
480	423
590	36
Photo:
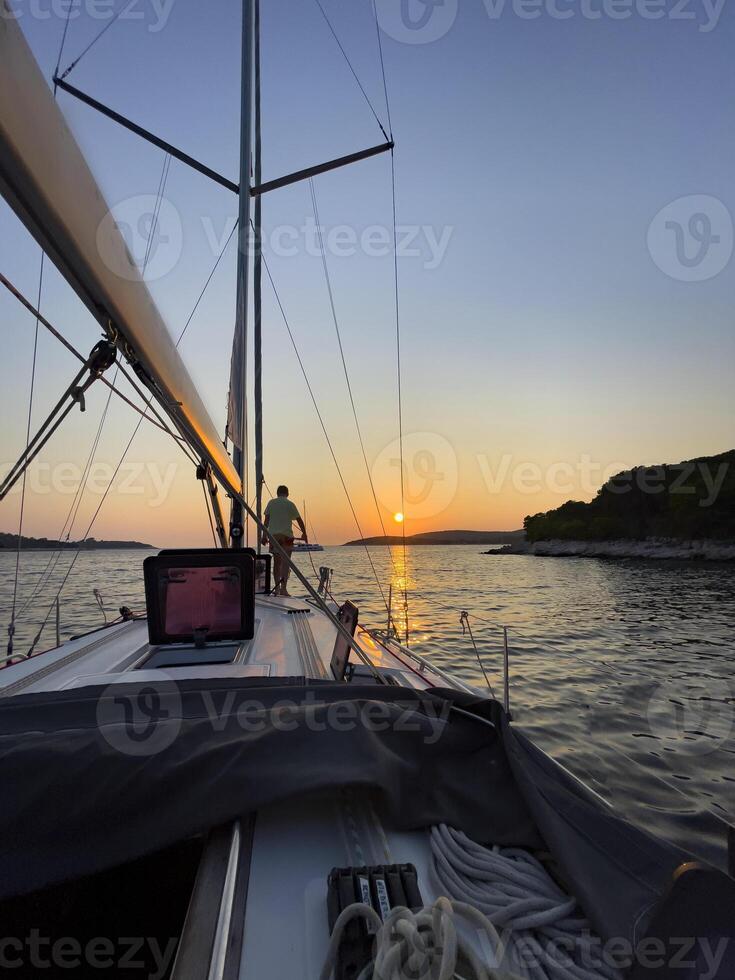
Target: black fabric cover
616	871
80	795
74	803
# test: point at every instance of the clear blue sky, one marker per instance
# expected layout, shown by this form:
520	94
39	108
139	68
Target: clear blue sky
543	147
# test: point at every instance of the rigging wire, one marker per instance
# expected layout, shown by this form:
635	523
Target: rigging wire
382	69
11	626
63	42
206	284
465	622
324	429
399	380
399	372
71	516
156	210
125	6
79	494
344	361
350	66
50	568
143	416
160	424
207	504
84	537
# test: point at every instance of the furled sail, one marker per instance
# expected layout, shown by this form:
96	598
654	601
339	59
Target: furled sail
47	182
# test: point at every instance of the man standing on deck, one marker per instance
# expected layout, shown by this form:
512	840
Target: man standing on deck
280	513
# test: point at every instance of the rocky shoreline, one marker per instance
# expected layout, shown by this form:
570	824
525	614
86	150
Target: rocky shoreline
659	548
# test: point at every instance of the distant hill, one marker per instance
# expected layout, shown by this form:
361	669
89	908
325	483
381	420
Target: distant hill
693	500
443	537
10	541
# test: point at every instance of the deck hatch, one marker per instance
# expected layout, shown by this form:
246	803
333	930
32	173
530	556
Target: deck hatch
200	597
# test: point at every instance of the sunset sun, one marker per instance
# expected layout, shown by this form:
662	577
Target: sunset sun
398	518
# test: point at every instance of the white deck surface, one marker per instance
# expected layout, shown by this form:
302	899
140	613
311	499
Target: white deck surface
292	639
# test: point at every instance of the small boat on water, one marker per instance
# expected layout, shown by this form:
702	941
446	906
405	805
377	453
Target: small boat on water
233	784
307	546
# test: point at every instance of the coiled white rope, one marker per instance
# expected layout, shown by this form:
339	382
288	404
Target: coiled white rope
546	936
422	944
524	925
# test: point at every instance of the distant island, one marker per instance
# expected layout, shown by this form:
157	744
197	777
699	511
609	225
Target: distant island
679	510
10	541
443	537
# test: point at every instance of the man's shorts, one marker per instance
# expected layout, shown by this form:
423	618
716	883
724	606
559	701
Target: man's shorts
285	542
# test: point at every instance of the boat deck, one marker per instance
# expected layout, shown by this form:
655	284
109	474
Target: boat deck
292	639
285	929
259	903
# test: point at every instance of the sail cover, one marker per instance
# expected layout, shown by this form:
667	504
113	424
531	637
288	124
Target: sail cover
105	791
47	182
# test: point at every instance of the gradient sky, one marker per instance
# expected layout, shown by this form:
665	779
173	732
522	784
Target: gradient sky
546	342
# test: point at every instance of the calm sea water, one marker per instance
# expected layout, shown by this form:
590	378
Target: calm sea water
623	670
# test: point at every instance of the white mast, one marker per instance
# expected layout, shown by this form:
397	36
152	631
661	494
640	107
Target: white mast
257	282
237	414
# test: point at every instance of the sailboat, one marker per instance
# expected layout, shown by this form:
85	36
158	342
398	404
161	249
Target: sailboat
264	787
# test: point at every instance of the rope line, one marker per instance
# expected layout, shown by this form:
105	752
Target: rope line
546	934
324	429
354	73
422	943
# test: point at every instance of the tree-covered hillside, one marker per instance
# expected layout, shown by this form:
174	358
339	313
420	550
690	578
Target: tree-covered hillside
690	500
